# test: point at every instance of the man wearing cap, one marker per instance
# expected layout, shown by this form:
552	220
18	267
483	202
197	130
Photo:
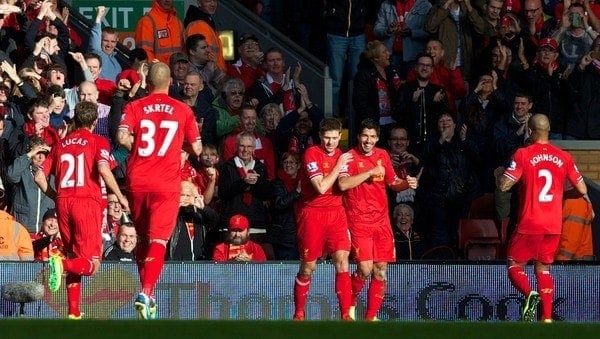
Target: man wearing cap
180	67
47	241
238	246
546	82
248	67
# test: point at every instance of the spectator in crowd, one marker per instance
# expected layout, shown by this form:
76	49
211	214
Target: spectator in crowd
44	47
456	23
536	27
160	32
399	25
155	203
16	242
276	86
263	148
188	172
103	42
480	110
409	244
194	221
538	231
238	246
88	92
376	87
199	20
78	206
47	241
345	27
322	223
295	132
449	182
244	185
206	165
11	105
200	98
575	36
114	215
202	59
228	106
584	122
285	192
420	101
449	77
249	66
509	135
59	110
270	115
106	88
403	162
576	234
180	67
546	81
28	202
364	182
123	248
591	7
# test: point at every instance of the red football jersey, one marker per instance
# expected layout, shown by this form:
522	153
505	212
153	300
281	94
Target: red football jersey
368	202
159	125
542	169
74	163
315	161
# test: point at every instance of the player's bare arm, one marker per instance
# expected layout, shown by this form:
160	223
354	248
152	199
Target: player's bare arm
323	183
125	139
41	180
111	183
193	149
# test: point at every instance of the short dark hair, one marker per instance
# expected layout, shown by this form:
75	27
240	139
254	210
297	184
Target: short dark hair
369	123
192	41
329	124
92	55
85	114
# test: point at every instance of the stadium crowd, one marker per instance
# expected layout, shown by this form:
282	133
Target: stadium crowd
451	84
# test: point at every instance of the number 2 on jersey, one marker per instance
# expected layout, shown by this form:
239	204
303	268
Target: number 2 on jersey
544	195
149	133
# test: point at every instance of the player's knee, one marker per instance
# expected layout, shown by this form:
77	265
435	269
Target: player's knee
380	275
307	269
96	264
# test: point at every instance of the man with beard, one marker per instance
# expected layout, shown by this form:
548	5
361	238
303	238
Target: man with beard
364	182
238	246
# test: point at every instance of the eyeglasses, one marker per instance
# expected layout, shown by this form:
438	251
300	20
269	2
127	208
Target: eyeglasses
531	10
424	65
236	93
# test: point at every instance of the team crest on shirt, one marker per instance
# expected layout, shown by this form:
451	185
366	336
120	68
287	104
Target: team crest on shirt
162	33
512	166
312	166
325	165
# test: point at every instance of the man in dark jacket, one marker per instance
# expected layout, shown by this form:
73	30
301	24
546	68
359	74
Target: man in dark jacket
123	248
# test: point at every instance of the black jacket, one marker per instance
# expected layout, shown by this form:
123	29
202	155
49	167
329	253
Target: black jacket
583	121
345	17
181	247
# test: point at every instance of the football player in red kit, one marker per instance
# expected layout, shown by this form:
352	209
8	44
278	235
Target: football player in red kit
541	168
79	162
154	128
364	181
322	226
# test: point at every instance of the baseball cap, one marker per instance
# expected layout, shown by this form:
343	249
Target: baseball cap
51	213
178	56
130	75
245	37
238	222
548	42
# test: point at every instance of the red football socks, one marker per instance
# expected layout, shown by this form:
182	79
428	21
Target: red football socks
79	266
343	290
519	279
375	297
545	284
357	286
152	267
73	282
301	288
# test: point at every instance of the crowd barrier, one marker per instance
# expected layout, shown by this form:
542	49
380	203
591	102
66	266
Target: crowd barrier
416	291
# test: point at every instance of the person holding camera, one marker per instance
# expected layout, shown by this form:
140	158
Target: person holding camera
28	202
575	36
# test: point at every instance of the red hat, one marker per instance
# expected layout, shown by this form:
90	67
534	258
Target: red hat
238	222
130	75
548	42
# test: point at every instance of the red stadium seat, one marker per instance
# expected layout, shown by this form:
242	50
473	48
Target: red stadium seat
478	233
483	207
